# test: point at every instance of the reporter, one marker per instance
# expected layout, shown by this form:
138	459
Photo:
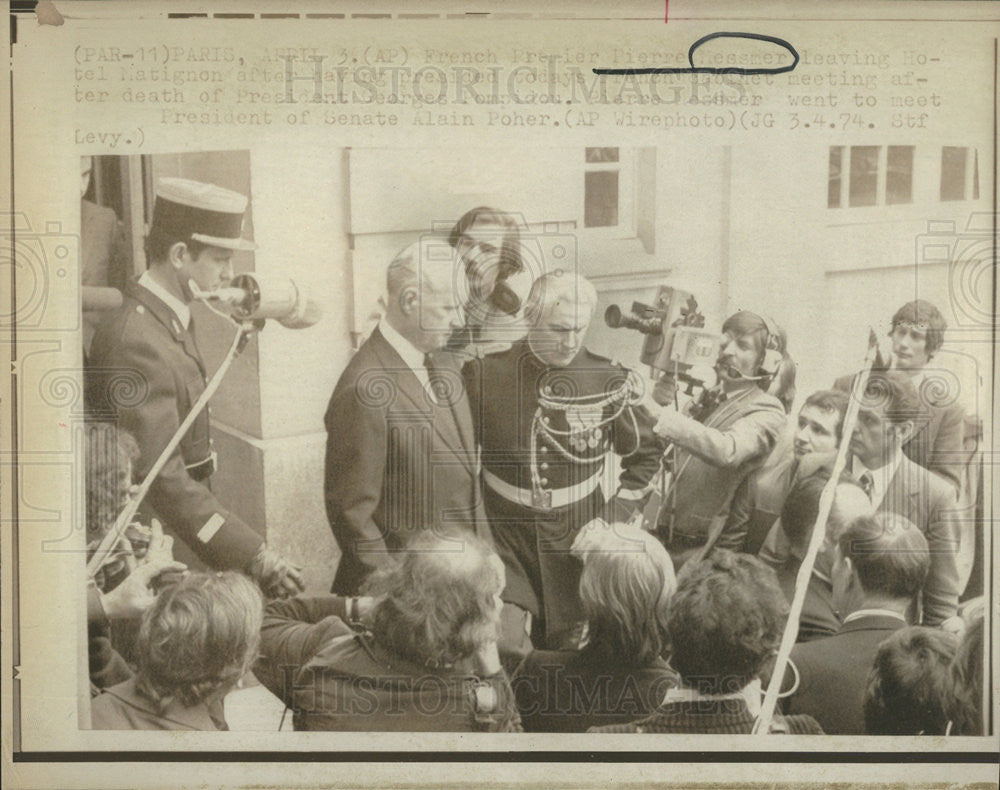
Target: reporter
195	643
722	441
619	673
429	661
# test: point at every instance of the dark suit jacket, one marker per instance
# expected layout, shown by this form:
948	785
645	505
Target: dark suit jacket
121	707
833	673
571	691
713	460
145	369
335	679
929	502
397	462
937	441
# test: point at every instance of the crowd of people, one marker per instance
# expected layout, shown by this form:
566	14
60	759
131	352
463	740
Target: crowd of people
494	576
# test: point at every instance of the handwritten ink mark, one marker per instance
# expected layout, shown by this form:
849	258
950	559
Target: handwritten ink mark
711	70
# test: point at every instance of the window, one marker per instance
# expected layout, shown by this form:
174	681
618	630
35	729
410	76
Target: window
864	175
608	191
959	173
875	175
899	175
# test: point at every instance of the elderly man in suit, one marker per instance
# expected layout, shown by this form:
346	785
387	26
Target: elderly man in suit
879	567
400	455
936	441
151	340
722	441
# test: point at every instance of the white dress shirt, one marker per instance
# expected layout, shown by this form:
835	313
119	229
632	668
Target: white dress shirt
410	354
880	477
179	309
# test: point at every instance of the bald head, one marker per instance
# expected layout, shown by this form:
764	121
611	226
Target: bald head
422	305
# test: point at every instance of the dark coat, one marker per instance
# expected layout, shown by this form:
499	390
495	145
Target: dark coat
146	370
712	717
534	543
571	691
105	256
921	497
937	441
121	707
397	462
335	679
833	673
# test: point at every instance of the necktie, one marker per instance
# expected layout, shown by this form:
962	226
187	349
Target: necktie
438	384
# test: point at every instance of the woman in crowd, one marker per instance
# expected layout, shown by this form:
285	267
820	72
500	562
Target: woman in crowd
619	674
195	643
725	623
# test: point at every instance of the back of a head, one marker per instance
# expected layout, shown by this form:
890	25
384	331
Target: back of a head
893	392
801	507
625	587
968	681
111	452
908	689
888	553
437	602
198	638
560	287
725	620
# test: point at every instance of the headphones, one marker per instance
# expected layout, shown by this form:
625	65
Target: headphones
773	353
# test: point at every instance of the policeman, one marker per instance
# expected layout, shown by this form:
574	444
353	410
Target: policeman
147	372
547	412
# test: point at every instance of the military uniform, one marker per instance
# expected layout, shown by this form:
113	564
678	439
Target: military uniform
544	469
146	370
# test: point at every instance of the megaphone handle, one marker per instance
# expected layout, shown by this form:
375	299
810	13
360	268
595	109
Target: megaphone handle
117	531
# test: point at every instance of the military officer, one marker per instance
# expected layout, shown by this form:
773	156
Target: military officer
547	412
150	342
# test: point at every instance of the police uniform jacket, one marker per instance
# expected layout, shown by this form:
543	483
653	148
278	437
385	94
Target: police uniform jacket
397	460
712	460
146	370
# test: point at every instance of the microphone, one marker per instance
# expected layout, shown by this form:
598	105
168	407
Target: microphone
255	297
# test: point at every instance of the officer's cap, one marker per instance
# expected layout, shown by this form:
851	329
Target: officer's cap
203	212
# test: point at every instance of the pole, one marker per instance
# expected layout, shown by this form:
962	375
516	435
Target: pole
762	726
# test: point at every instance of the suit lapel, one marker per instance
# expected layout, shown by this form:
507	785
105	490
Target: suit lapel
409	386
902	495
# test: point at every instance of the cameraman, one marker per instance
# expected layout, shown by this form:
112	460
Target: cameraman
722	439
